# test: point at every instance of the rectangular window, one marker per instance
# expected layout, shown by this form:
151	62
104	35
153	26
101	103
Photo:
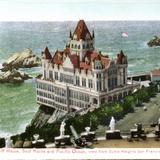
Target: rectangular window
51	75
77	80
98	85
56	75
124	76
83	82
90	83
115	82
44	74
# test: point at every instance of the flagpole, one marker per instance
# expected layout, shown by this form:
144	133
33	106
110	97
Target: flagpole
123	35
121	40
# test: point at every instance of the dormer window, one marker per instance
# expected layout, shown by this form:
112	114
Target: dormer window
86	59
75	37
87	36
98	64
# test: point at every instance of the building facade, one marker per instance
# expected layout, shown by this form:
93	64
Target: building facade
80	77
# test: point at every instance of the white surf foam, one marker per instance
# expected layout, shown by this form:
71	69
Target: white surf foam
5	134
0	65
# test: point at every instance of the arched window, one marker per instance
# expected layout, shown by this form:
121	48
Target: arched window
87	45
78	46
75	46
83	46
72	46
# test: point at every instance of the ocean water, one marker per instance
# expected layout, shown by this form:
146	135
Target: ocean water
17	102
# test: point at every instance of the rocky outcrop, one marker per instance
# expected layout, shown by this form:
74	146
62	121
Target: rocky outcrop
46	115
154	42
13	76
24	59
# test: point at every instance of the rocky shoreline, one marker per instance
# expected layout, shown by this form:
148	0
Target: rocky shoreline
24	59
13	76
154	42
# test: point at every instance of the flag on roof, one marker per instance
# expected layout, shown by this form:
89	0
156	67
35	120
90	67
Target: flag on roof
124	34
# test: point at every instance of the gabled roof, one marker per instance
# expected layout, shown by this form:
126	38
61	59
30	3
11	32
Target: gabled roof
47	53
85	66
156	72
58	57
75	60
91	55
94	55
121	58
105	61
67	51
81	31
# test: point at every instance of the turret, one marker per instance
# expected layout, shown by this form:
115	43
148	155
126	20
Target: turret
93	34
70	35
46	54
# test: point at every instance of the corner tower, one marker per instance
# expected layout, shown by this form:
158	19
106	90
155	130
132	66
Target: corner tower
81	40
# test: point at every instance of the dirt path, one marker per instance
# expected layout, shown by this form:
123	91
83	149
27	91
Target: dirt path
145	117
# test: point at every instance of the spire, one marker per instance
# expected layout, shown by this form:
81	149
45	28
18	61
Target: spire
47	53
93	34
70	34
121	52
81	31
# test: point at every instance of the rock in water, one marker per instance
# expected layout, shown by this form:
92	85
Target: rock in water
154	42
24	59
13	76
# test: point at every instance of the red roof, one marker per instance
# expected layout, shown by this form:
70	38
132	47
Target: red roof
94	55
121	58
81	31
75	60
105	61
47	53
156	72
85	66
91	56
58	57
67	51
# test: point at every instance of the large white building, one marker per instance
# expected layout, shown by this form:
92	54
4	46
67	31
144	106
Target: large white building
81	77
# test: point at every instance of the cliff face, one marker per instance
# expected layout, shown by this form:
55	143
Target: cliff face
46	123
46	116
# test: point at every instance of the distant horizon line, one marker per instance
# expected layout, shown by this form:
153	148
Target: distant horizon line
72	20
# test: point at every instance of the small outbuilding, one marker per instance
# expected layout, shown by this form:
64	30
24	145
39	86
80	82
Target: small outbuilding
155	76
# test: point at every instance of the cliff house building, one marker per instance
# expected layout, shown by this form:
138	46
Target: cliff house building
80	77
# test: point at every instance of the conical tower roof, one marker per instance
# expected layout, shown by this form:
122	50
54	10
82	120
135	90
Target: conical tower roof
82	30
47	53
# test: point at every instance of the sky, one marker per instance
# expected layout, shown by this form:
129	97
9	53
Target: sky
61	10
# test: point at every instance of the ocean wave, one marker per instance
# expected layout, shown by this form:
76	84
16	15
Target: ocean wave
144	45
0	65
131	65
22	127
